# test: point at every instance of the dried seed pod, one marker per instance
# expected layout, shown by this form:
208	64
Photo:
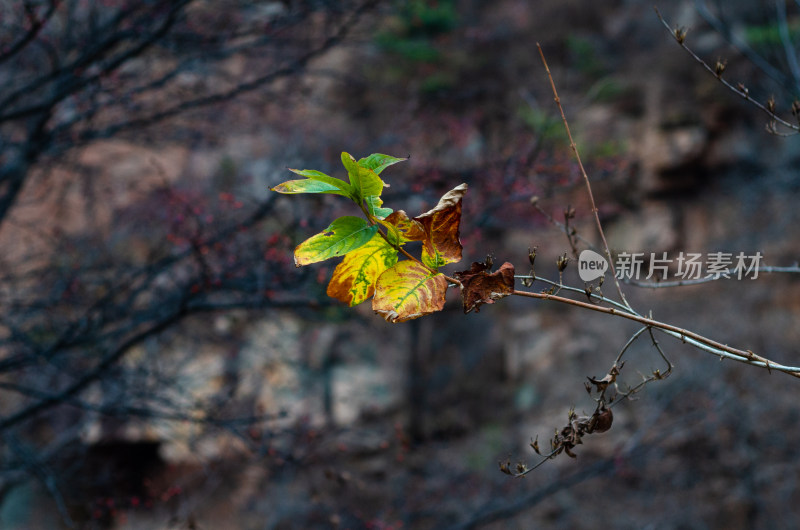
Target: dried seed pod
601	420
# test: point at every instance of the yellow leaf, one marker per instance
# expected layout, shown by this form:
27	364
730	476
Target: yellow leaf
407	291
354	278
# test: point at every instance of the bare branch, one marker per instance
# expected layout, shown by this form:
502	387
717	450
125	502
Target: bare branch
701	342
204	101
739	90
36	23
743	46
595	210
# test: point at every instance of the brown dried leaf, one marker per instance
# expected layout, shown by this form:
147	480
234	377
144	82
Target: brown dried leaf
601	421
481	287
609	379
441	226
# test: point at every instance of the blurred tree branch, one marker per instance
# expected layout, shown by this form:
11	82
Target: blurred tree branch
72	309
73	77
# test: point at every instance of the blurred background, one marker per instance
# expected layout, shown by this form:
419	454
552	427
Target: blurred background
163	364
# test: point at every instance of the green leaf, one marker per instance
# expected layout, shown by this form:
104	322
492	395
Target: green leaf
319	176
363	181
354	278
378	162
345	234
374	205
407	291
307	186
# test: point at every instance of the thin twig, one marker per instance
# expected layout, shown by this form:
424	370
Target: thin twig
629	343
594	295
574	148
661	352
656	375
562	226
741	90
742	46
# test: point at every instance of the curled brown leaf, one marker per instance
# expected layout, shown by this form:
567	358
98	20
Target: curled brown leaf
441	226
482	287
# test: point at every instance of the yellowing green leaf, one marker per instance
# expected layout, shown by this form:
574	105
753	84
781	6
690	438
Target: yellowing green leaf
432	259
354	278
374	205
441	226
306	186
378	162
363	181
407	291
345	234
325	184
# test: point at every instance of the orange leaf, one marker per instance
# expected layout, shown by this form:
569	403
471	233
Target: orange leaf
481	287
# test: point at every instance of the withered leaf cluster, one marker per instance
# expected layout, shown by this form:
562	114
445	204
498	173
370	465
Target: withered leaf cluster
479	286
566	439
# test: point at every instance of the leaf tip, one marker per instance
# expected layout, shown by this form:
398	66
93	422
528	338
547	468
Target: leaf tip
391	316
